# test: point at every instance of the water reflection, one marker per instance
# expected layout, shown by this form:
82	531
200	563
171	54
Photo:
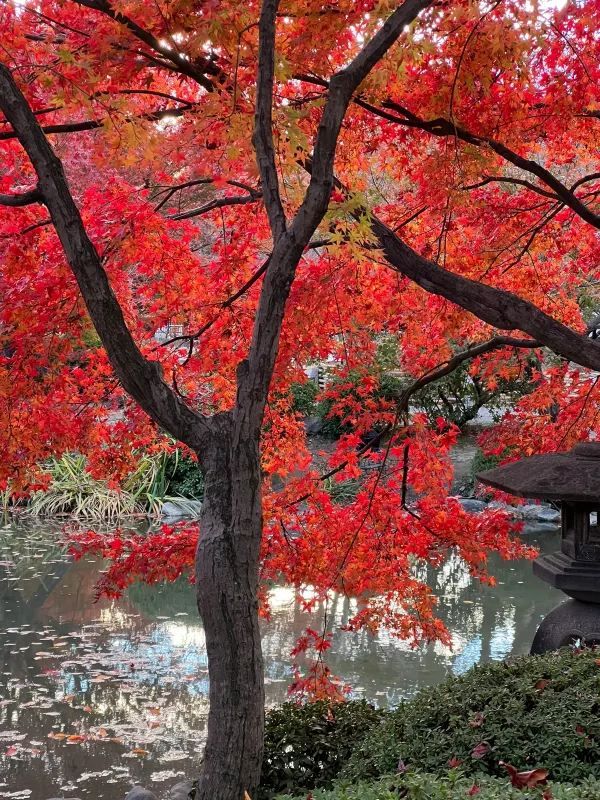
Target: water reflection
96	696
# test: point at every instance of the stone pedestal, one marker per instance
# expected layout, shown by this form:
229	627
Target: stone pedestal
569	623
577	578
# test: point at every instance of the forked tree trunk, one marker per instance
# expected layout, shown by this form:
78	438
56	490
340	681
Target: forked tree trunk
227	566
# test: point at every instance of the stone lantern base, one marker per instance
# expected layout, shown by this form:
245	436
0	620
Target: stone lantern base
569	623
578	579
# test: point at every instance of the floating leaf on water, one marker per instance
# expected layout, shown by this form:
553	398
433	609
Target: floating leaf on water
12	736
85	776
174	755
166	775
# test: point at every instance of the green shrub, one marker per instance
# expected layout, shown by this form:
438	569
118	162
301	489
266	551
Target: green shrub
341	492
459	396
73	490
479	463
387	354
306	745
186	479
536	711
454	786
390	387
304	396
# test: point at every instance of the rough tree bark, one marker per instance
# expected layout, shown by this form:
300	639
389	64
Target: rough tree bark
226	584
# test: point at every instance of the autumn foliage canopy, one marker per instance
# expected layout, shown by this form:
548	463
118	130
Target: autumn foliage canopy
474	140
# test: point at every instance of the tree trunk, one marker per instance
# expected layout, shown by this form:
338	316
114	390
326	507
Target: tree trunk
227	566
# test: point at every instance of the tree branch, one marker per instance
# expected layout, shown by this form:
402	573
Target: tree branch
447	367
25	199
196	69
515	181
341	89
497	307
141	378
263	119
220	202
169	191
254	375
442	127
192	337
496	343
94	124
594	176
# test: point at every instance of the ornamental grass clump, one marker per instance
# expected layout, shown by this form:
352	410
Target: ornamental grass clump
73	491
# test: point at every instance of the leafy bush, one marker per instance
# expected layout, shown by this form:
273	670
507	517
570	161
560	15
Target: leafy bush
387	354
304	396
186	479
454	786
72	490
536	711
479	463
390	387
306	745
341	492
459	396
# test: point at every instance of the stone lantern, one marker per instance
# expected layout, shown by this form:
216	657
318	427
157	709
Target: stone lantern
571	480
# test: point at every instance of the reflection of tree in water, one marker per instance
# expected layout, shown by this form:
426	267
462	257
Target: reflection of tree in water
72	668
164	599
168	723
32	562
139	665
486	623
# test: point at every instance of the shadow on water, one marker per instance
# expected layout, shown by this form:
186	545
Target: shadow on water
96	696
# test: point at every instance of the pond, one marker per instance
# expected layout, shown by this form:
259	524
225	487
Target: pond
97	696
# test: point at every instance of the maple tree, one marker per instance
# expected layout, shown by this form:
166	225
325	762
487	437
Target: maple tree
285	183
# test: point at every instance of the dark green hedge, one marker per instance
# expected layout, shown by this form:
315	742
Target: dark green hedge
307	745
541	711
417	786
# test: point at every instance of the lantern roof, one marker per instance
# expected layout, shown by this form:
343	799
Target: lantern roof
573	476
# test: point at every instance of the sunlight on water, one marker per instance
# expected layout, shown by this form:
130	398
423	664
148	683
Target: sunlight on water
96	696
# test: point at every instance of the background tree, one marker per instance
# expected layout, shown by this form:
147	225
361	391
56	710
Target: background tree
463	202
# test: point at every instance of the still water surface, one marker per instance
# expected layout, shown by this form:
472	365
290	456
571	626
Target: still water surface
97	696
